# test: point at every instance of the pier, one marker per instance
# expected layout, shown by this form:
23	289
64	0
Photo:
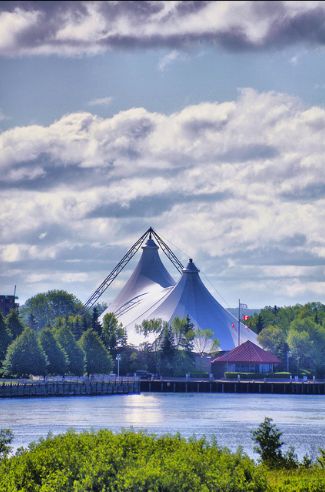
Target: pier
80	387
224	386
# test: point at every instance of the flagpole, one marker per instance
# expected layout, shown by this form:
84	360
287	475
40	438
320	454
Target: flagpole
238	322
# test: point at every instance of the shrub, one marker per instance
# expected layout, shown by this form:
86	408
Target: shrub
128	461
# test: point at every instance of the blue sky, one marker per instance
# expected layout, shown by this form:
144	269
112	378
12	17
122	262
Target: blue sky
202	119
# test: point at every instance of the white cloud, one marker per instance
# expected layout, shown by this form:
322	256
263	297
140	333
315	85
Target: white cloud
101	101
236	185
166	60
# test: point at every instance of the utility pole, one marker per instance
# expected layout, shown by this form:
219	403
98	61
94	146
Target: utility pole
238	322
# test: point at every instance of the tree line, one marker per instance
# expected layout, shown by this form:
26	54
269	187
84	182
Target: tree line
296	334
53	335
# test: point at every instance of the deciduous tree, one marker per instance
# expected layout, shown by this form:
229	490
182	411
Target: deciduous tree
25	356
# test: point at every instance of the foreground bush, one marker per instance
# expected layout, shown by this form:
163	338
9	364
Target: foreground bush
104	461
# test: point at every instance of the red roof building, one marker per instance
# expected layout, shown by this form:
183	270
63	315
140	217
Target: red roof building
247	357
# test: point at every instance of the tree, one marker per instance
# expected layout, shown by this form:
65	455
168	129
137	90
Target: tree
97	358
6	437
45	307
113	334
268	443
273	338
95	324
25	356
306	340
57	360
5	338
204	342
76	356
184	334
14	325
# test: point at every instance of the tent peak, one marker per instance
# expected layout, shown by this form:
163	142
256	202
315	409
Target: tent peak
150	243
190	267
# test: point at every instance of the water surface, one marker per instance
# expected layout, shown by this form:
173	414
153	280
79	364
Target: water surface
230	417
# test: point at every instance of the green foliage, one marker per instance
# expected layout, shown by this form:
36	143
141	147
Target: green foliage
57	360
97	358
5	338
45	307
25	356
268	443
14	325
113	334
274	339
205	342
299	480
184	334
298	328
75	354
6	437
104	461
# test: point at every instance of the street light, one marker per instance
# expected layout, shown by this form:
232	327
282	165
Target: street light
118	358
289	354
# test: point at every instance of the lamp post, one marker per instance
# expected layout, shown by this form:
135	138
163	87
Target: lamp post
288	355
118	358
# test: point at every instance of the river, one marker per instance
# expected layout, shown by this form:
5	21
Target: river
230	417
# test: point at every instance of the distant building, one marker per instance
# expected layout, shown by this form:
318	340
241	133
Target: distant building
7	303
247	357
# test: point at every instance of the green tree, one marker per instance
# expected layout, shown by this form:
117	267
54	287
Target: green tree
113	334
6	437
95	324
184	334
14	325
205	342
273	338
268	443
57	360
5	338
97	358
45	307
75	354
25	356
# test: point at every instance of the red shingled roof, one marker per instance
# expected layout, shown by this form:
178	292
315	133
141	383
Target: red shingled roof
248	352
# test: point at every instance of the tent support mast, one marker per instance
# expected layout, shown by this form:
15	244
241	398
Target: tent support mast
125	260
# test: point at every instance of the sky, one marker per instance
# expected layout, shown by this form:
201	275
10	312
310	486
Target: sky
204	120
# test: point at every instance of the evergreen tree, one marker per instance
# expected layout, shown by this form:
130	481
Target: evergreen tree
98	360
31	322
268	443
57	360
167	350
5	338
95	324
25	356
76	356
14	325
113	334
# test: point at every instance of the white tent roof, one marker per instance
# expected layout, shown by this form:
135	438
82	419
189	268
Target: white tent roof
151	293
148	280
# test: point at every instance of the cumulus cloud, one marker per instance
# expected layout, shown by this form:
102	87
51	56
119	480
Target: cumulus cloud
74	28
237	185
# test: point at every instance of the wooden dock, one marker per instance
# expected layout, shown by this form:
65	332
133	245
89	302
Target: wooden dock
68	388
224	386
